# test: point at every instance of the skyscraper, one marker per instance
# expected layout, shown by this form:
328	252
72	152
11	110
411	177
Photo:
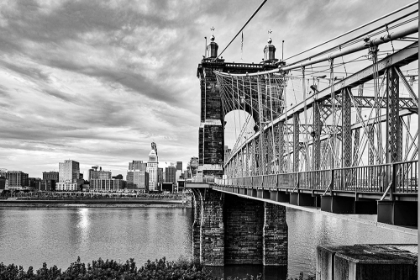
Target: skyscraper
152	168
179	165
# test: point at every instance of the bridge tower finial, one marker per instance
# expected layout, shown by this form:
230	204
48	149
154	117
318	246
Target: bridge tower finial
270	50
213	47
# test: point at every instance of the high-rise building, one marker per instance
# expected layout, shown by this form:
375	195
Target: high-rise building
137	165
160	176
137	177
69	170
69	177
170	174
152	168
179	165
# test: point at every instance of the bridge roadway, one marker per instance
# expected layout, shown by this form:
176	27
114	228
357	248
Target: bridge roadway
388	190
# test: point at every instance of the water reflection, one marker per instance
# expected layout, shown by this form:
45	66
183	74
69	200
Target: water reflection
30	236
242	271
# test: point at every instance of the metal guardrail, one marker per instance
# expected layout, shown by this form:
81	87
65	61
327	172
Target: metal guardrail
400	177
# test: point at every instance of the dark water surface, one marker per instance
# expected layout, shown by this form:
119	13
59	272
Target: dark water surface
31	236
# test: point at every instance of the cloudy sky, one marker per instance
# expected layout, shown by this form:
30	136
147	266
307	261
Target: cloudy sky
98	81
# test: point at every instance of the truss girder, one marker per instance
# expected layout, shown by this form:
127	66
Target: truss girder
346	128
394	153
400	58
296	146
369	102
317	130
261	156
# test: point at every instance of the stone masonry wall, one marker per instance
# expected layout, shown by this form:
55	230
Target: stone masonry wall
244	230
212	231
196	228
275	235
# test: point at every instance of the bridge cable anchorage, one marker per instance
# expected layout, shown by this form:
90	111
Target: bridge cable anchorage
243	27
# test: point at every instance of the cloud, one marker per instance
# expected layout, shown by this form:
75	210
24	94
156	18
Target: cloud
97	81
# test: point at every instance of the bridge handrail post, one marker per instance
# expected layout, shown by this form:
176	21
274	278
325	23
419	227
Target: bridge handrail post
394	181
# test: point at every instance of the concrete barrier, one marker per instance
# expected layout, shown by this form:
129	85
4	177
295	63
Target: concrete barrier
373	262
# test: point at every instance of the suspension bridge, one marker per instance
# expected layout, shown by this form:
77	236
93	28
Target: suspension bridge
333	127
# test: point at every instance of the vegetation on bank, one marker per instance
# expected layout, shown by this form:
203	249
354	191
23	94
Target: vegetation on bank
110	269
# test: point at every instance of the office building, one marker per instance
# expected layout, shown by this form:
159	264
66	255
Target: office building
15	179
69	186
69	170
48	185
179	165
51	175
152	169
160	176
97	173
2	183
170	174
137	177
138	180
69	176
107	184
137	165
34	183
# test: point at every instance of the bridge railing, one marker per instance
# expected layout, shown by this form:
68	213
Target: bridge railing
269	181
286	180
373	178
314	180
406	177
400	177
247	182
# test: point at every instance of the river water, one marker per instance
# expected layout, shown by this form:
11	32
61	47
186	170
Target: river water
31	236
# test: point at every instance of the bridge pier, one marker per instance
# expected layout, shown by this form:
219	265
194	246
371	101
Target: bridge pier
208	228
229	229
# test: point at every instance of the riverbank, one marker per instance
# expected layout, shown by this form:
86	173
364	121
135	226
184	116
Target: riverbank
97	203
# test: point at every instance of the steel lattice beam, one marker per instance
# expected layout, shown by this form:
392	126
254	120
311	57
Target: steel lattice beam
346	128
394	153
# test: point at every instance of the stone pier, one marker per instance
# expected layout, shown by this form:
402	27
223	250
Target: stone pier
229	229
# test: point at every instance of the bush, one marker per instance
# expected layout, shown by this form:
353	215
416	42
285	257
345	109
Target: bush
110	269
152	270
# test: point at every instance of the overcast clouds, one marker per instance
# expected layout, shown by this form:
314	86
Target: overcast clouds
97	81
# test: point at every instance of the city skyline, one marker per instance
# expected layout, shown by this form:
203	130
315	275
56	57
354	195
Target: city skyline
97	82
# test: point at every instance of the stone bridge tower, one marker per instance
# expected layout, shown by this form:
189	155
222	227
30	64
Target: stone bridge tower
211	131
